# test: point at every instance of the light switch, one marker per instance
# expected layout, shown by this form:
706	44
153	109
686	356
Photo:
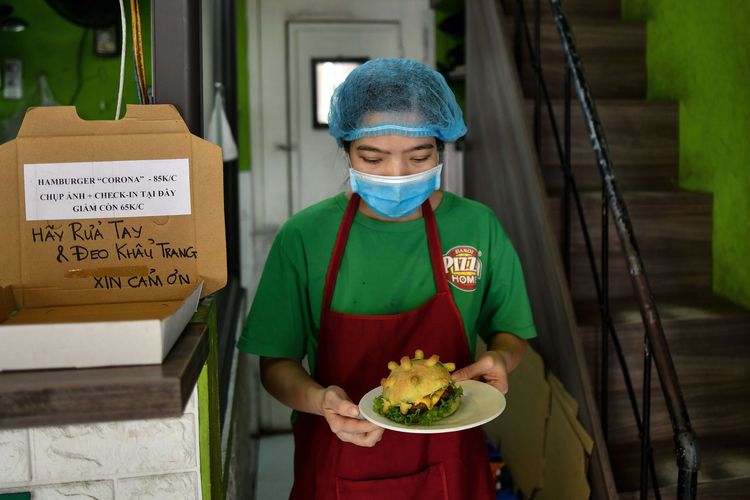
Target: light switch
13	79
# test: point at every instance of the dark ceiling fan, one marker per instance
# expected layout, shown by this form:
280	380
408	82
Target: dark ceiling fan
88	13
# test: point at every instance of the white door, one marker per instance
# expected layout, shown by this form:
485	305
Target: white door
317	169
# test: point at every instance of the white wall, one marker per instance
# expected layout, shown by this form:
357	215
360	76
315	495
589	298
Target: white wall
264	203
155	459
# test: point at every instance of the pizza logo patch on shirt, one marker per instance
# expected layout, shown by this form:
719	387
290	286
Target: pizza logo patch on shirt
463	267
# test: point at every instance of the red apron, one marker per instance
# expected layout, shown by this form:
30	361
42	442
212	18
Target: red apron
353	353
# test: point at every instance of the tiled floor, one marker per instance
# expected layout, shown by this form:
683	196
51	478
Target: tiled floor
275	467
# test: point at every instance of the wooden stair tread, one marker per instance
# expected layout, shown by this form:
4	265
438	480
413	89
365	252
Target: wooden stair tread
642	138
675	202
710	348
723	457
672	308
599	42
725	489
576	9
672	218
630	176
673	228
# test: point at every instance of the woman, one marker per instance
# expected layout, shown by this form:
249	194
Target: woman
369	276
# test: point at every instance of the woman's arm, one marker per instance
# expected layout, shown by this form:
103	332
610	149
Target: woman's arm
286	380
504	353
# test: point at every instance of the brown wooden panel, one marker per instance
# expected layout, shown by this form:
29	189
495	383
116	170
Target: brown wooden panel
576	9
613	54
674	230
708	341
710	355
724	472
58	397
727	489
642	137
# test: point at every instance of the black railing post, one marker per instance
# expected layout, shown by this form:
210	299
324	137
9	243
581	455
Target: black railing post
517	38
686	445
538	93
566	180
646	434
604	310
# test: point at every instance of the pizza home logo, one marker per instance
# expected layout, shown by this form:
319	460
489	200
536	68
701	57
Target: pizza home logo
463	268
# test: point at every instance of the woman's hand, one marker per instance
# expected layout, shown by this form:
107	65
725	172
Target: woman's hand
504	353
342	417
288	382
490	367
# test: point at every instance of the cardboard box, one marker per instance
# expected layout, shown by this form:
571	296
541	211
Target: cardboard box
540	438
519	433
112	230
567	447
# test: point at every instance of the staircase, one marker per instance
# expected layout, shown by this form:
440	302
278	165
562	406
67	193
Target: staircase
709	337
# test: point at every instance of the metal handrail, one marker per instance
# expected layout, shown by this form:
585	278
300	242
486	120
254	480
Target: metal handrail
600	285
655	344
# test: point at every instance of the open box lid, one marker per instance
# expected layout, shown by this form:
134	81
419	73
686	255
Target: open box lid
97	212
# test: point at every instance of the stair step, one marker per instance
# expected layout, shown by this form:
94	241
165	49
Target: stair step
710	347
724	461
725	489
642	137
673	230
613	54
680	307
573	8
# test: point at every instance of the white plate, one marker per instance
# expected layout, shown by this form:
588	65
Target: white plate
480	403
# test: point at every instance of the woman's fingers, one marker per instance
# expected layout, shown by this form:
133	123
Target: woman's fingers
368	439
336	401
484	365
490	367
339	423
342	417
474	370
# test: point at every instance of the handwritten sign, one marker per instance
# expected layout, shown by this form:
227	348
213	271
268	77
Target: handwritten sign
107	189
116	254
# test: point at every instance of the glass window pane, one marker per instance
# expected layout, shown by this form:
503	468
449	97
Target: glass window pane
328	75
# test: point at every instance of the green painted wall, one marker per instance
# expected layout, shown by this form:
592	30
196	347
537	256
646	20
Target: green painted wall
444	43
51	46
699	54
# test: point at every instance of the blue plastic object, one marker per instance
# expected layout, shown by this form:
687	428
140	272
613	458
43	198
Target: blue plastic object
395	96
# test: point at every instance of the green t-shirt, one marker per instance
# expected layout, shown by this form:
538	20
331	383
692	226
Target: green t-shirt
385	270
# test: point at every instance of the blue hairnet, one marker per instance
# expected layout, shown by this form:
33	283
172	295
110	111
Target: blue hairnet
394	96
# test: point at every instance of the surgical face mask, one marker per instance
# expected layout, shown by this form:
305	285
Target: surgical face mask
394	197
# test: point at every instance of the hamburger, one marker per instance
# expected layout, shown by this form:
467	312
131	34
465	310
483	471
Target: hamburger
418	391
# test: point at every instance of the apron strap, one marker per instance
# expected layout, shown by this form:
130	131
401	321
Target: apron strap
433	241
337	256
436	251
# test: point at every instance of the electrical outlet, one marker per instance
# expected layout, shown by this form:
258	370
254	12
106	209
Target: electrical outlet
13	76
